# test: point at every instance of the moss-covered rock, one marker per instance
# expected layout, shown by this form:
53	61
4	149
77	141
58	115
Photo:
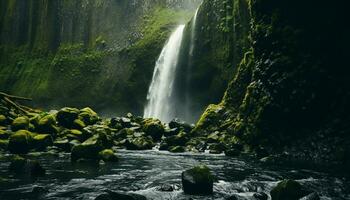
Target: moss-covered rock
216	148
20	123
177	140
66	116
62	144
3	120
140	143
90	148
78	124
4	144
88	116
5	134
177	149
41	141
108	155
20	142
47	124
209	120
287	190
154	128
198	181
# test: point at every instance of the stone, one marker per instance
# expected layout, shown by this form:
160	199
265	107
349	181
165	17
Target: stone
20	142
88	116
5	134
177	149
20	123
78	124
153	128
287	190
198	181
47	124
140	143
62	144
66	116
108	155
3	120
41	141
17	164
4	144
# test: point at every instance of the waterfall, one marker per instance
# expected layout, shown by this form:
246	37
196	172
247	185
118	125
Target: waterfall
159	102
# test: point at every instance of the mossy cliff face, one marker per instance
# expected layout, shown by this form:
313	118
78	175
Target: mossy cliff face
210	52
291	87
84	52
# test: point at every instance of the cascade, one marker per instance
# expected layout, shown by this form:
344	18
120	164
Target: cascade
159	97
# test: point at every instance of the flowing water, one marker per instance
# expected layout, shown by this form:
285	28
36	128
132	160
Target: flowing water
143	172
159	95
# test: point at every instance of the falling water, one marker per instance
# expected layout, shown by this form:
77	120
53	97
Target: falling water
159	94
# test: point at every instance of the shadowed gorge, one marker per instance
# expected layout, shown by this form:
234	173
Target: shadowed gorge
174	99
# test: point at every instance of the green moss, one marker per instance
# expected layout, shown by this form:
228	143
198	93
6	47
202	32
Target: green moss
20	123
108	155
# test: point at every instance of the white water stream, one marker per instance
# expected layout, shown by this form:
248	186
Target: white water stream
159	102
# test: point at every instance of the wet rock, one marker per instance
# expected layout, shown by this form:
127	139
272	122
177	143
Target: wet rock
260	196
90	148
180	125
198	181
88	116
3	120
20	142
312	196
163	146
287	190
47	124
21	165
153	128
5	134
66	116
41	141
166	188
213	137
141	143
216	148
171	132
125	122
177	140
108	155
78	124
20	123
109	195
177	149
62	144
232	153
4	144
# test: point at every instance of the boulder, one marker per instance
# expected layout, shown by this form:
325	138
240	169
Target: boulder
216	148
66	116
4	144
78	124
20	142
20	123
109	195
198	181
287	190
47	124
5	134
90	148
177	140
41	141
108	155
21	165
62	144
177	149
180	125
3	120
153	128
140	143
214	137
88	116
